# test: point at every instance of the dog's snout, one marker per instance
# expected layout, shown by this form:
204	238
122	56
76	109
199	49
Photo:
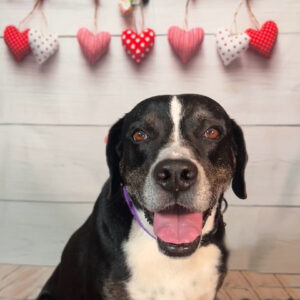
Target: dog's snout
175	175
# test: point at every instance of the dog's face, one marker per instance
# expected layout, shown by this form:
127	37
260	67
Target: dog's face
176	155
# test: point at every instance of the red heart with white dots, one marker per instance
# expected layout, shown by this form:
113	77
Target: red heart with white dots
17	42
138	45
264	39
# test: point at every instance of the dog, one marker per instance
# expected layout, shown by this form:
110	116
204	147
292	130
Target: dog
156	231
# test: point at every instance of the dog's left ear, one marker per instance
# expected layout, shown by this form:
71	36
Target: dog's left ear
113	153
240	152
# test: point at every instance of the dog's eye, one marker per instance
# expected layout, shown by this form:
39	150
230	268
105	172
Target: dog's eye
139	136
211	133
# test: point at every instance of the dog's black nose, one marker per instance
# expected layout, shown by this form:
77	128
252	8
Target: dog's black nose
175	175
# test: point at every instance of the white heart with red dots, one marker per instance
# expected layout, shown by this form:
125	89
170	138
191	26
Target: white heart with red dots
231	46
42	47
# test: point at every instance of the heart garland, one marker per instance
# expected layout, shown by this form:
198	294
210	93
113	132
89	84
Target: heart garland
231	46
136	45
17	42
263	40
185	43
93	45
42	47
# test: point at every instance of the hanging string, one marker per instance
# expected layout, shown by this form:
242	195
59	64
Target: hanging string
141	8
252	16
96	3
37	5
186	24
234	18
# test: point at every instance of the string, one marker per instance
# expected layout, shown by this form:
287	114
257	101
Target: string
37	5
235	16
252	16
140	6
186	14
96	15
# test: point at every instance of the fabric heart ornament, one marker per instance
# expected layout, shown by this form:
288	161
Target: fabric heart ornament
231	46
17	42
93	45
138	45
185	43
263	40
42	47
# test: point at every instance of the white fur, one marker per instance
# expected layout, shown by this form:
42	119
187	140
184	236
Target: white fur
155	276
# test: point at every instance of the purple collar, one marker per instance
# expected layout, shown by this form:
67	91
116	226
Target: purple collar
133	211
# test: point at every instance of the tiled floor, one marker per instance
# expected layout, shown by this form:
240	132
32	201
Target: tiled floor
24	283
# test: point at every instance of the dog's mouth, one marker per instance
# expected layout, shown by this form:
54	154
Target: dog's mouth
178	230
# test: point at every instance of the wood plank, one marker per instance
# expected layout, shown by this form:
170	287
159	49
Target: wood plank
266	286
24	282
36	233
67	17
222	295
115	85
5	270
69	164
291	282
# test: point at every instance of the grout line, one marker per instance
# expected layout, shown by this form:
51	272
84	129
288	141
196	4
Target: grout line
109	125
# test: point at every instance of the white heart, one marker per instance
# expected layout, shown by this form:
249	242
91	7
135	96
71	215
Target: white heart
42	46
231	46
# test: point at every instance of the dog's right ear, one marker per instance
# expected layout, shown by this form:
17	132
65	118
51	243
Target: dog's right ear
114	152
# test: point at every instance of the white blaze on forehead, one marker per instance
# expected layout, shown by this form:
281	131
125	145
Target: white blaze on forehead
176	113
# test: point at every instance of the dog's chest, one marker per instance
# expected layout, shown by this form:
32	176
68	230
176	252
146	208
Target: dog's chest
155	276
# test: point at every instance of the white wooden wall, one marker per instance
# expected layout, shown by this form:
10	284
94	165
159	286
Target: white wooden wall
54	117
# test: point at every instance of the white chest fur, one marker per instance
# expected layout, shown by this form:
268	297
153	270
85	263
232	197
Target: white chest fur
158	277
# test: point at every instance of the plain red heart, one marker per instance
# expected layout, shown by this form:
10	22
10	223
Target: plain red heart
17	42
138	45
263	40
185	43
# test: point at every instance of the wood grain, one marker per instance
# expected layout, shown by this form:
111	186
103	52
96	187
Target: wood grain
37	233
67	17
66	90
68	164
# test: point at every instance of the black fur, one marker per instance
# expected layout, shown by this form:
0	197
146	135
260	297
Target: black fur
93	264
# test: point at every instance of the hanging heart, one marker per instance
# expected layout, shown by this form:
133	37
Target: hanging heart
42	47
231	46
93	45
185	43
138	45
263	40
17	42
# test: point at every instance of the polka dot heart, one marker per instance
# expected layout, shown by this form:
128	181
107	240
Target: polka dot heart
263	40
17	42
42	47
231	46
138	45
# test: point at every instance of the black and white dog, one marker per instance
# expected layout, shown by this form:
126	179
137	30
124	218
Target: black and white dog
173	157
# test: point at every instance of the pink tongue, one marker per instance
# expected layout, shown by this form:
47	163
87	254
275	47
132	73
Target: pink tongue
177	228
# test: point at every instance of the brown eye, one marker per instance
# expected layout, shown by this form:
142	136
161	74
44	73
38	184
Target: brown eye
211	133
139	136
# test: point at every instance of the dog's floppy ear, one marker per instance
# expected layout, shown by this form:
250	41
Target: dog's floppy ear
113	153
240	152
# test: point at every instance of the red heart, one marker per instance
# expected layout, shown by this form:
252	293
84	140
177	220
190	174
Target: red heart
264	39
138	45
17	42
185	43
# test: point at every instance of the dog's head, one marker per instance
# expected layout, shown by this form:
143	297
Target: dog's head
176	155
